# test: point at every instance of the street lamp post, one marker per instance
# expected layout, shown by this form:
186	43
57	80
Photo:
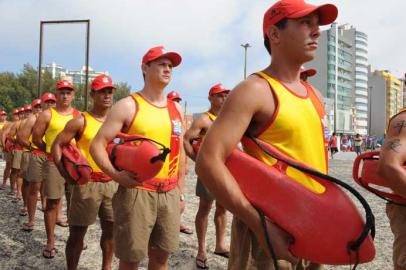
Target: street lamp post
245	46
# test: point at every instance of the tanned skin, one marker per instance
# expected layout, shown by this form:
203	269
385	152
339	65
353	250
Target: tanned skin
7	169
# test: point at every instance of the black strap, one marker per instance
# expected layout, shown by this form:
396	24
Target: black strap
267	238
369	226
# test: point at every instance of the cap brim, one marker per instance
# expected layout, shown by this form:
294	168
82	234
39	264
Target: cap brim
175	58
101	88
219	92
66	87
310	72
327	13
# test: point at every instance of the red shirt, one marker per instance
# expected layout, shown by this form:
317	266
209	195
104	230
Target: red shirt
333	141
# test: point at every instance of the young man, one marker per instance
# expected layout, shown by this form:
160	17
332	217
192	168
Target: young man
10	132
6	156
174	96
262	106
34	174
146	215
391	162
48	125
94	198
217	95
25	159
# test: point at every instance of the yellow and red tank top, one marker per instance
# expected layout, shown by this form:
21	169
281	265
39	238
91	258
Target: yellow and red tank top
297	130
90	129
164	125
211	116
2	125
56	125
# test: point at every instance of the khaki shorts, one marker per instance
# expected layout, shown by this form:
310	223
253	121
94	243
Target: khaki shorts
54	184
89	200
246	254
202	192
16	162
35	172
144	217
8	157
397	219
25	161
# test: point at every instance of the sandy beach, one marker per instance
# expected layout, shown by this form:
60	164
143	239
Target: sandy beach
22	250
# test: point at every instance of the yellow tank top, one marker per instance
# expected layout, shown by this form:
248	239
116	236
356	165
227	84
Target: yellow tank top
56	125
155	123
92	126
296	129
211	116
2	125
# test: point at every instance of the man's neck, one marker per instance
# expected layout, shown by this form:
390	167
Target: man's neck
63	109
99	113
214	110
154	94
283	70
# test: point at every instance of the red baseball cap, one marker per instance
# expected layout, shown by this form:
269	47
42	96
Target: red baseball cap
15	111
48	96
102	81
64	84
158	52
3	113
173	95
36	102
294	9
27	108
218	88
309	72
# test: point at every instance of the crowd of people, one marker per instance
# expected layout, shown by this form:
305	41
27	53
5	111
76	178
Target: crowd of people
141	218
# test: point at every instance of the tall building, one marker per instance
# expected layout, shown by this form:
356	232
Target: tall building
76	76
404	90
343	67
386	99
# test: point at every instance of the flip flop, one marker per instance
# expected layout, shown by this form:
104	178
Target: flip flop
185	230
62	224
202	263
28	227
23	212
225	254
49	253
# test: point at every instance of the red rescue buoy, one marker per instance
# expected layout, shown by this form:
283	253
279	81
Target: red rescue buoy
75	164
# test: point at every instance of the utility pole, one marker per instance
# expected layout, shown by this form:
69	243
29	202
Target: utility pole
245	46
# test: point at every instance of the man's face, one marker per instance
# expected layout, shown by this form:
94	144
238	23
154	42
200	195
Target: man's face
15	117
65	96
48	104
103	98
2	118
217	100
299	39
37	109
159	70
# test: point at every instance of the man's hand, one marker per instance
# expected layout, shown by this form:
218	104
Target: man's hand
280	241
126	179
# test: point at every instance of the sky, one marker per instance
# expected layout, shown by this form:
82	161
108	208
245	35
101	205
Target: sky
208	34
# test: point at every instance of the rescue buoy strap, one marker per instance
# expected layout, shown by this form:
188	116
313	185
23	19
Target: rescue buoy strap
369	226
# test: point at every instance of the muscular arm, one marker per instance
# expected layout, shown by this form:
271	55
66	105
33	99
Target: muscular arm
39	129
24	132
119	117
71	130
5	131
200	124
393	155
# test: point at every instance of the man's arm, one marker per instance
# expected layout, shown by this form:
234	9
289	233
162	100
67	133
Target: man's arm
120	116
248	99
201	123
71	130
39	129
182	163
5	131
393	155
23	133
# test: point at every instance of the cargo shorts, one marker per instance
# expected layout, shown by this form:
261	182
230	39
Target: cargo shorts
35	172
397	219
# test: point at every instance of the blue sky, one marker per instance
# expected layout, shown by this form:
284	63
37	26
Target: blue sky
207	34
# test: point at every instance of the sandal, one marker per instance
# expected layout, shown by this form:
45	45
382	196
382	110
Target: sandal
49	253
201	263
185	230
23	212
28	227
62	223
224	254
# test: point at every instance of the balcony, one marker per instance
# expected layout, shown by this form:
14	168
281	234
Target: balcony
362	93
361	85
361	100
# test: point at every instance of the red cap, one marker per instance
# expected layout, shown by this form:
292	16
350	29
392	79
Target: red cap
20	110
309	72
36	102
64	84
218	88
158	52
294	9
3	113
15	111
102	81
48	96
173	95
27	108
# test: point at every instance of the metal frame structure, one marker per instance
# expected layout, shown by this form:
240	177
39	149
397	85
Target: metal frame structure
87	22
